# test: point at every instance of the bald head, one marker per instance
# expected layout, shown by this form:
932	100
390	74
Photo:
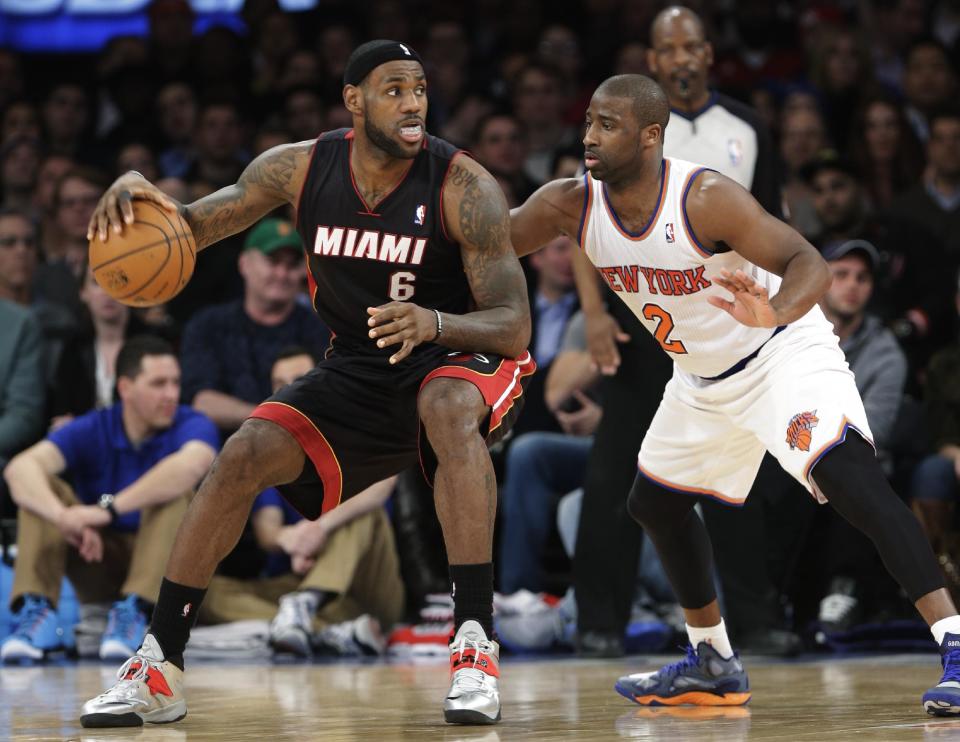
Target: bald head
680	57
647	100
675	15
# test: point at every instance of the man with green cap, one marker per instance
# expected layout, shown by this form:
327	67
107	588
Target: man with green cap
227	350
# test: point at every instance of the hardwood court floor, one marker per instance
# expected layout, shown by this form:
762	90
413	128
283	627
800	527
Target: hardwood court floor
876	698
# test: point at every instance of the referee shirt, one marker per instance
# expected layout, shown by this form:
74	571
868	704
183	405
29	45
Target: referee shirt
728	136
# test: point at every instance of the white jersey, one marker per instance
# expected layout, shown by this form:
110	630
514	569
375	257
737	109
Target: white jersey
665	274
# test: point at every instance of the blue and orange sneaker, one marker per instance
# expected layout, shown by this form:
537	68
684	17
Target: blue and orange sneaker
943	699
36	631
126	628
702	678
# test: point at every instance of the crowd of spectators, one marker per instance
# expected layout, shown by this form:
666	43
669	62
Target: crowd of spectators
841	117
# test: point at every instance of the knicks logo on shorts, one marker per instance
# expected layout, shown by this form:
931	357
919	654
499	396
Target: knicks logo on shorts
800	430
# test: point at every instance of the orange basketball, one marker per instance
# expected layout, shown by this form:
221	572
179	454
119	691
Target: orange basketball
150	261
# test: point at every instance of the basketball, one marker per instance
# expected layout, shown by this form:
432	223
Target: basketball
150	262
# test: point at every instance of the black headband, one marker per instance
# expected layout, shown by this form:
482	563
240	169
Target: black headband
372	54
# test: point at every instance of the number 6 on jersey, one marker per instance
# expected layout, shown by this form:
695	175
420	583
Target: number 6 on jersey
401	285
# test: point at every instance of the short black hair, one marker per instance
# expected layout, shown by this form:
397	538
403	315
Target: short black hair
484	120
16	211
928	41
292	351
130	357
951	112
650	103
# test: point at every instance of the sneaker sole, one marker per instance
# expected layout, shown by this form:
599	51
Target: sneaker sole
941	708
293	647
132	719
466	716
692	698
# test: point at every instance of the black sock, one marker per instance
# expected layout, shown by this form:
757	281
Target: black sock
173	617
473	595
323	596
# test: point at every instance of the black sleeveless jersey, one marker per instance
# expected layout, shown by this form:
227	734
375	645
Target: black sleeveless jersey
362	255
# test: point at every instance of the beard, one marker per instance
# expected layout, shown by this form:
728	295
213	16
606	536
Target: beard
382	140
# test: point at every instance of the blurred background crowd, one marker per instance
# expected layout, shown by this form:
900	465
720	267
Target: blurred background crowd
841	117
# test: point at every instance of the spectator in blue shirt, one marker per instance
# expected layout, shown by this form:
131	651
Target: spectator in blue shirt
132	467
227	350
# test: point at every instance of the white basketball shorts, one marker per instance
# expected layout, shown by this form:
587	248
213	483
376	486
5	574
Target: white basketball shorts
797	399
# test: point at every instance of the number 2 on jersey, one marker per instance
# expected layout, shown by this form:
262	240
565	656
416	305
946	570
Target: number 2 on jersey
661	316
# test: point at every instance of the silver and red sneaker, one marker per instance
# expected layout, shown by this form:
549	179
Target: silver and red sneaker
474	696
148	689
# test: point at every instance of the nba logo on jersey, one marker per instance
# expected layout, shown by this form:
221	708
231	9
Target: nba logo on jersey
668	230
420	215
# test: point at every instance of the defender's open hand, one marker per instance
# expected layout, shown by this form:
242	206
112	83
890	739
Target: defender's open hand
401	322
751	301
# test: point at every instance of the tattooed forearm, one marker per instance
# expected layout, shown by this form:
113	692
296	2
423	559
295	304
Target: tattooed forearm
501	323
218	215
267	182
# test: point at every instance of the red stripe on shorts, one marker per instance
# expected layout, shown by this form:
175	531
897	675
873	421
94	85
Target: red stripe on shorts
313	443
500	389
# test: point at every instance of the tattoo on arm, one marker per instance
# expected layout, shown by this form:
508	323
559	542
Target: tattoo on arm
270	180
502	321
461	177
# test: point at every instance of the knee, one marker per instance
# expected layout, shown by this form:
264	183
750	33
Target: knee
248	454
450	410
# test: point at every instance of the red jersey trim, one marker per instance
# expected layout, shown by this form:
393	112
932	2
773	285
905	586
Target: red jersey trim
314	444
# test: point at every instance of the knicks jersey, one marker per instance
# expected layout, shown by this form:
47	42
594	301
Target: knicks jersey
664	274
363	255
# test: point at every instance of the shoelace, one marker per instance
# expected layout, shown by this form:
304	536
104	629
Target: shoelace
123	621
32	615
951	666
293	610
690	661
126	687
836	606
470	678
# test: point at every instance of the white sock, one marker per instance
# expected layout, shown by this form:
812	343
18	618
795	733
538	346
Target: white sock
715	636
949	625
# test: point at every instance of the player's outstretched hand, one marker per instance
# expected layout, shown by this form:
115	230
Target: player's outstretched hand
603	334
114	209
751	301
401	322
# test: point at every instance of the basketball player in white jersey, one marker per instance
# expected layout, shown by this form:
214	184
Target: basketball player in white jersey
731	295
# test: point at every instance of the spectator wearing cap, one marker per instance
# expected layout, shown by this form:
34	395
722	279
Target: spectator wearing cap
912	294
227	350
875	358
936	200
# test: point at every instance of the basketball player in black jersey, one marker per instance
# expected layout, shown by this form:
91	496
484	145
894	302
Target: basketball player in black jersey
409	258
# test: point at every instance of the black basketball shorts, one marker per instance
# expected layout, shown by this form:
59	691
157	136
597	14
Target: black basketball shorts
356	431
